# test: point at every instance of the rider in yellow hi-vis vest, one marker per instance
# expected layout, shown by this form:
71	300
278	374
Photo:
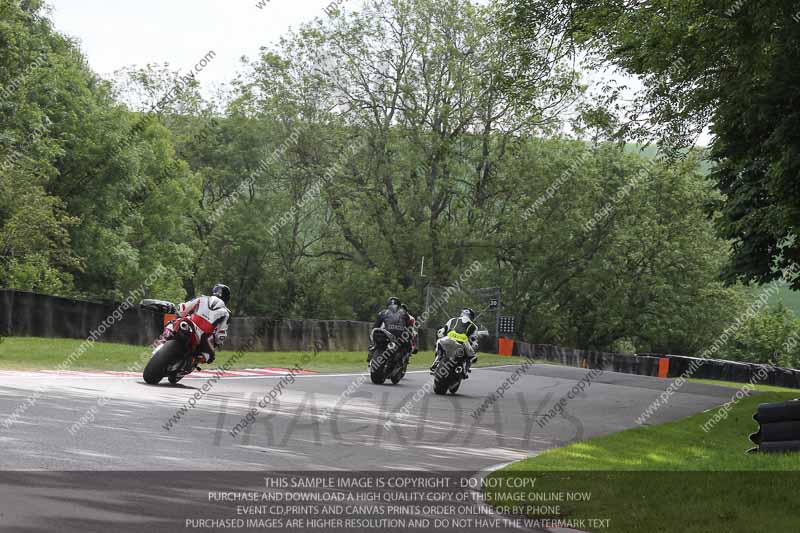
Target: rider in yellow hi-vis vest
461	329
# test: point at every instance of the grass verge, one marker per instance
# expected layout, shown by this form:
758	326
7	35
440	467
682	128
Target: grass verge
667	478
736	385
27	353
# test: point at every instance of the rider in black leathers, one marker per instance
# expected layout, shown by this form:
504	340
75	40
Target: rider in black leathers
396	321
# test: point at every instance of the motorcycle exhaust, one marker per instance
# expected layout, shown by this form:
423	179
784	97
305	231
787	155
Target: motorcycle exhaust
185	326
392	346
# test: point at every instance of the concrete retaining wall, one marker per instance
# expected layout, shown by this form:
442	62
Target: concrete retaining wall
26	314
302	335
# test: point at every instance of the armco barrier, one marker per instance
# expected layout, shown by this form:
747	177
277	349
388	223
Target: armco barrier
649	364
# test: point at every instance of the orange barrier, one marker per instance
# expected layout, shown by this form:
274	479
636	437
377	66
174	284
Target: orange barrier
663	367
168	318
505	346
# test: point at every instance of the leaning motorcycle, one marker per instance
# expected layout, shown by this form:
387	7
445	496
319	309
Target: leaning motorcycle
388	357
175	355
452	366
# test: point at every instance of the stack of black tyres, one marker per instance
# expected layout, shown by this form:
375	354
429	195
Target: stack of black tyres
779	427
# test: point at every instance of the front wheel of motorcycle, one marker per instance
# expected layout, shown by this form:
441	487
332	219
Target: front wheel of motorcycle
174	378
156	368
377	376
377	371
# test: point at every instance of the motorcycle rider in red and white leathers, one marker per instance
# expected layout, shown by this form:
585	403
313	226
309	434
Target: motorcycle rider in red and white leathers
210	316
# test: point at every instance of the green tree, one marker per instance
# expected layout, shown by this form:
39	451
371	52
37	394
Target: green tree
35	251
726	65
773	336
603	245
96	199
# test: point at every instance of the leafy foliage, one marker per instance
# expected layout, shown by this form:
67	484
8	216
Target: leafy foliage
771	337
730	64
344	158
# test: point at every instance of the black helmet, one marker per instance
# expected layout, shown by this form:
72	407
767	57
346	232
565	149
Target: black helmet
394	300
222	292
469	313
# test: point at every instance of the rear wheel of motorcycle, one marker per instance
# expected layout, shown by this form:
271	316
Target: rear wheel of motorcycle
174	378
439	386
454	388
402	373
156	368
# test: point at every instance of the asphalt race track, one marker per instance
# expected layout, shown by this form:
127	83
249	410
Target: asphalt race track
318	422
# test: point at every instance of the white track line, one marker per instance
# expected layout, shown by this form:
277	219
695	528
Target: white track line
489	510
249	373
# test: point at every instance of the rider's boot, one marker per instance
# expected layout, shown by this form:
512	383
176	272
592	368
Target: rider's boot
435	362
472	361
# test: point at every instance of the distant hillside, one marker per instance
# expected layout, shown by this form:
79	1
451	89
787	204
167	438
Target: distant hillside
790	299
652	151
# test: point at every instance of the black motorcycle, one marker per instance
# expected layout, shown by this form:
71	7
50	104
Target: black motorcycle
451	368
388	357
175	354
